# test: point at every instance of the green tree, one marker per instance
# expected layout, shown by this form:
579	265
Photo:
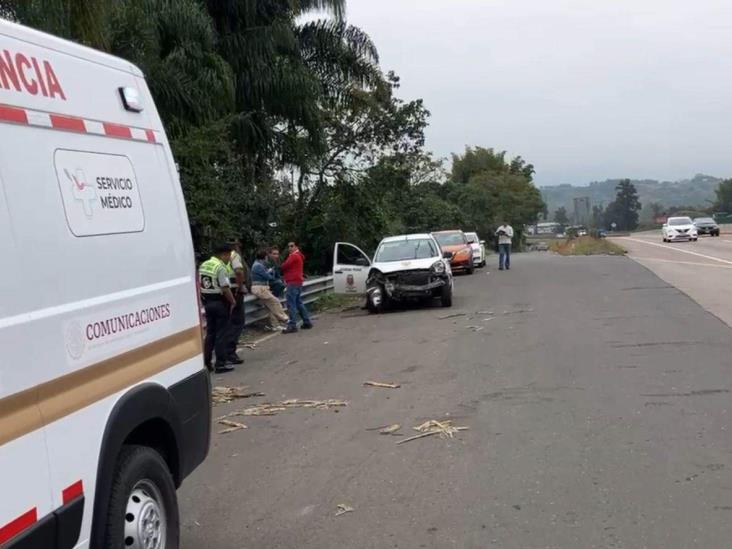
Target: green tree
490	189
625	208
724	196
83	20
560	216
597	216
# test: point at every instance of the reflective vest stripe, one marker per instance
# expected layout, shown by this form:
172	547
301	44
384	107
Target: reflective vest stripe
208	274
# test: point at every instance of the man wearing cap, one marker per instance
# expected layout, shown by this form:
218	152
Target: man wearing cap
218	301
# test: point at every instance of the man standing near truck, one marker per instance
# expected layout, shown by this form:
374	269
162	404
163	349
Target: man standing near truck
292	270
505	236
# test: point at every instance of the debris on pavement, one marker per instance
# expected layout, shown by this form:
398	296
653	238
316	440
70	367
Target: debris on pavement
223	395
476	328
454	315
484	313
343	509
433	427
233	426
272	409
390	429
382	385
518	311
250	346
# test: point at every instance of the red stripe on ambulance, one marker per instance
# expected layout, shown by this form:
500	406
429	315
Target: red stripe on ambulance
73	492
115	130
64	122
70	123
13	114
15	527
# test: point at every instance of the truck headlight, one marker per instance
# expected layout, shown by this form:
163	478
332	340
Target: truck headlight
438	267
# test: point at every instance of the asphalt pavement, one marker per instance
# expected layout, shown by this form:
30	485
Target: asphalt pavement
702	269
596	397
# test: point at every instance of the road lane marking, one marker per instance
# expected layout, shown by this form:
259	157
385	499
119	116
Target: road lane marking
639	258
676	249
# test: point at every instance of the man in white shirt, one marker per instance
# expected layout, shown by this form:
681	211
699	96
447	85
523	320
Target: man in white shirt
505	235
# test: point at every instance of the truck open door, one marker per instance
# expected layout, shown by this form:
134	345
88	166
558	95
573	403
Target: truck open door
350	269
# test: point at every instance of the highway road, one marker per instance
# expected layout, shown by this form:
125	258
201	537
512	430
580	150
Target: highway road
701	269
596	397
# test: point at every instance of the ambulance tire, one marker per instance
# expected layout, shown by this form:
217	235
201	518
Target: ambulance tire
141	466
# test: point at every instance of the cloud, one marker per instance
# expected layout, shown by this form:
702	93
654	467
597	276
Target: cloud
583	89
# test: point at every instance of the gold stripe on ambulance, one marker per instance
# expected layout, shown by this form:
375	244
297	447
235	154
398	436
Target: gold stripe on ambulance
26	411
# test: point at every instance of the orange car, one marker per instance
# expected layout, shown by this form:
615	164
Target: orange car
456	243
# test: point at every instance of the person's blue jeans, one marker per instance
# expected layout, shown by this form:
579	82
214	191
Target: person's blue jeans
293	297
504	256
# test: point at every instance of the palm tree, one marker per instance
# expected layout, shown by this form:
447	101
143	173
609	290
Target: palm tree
81	20
174	43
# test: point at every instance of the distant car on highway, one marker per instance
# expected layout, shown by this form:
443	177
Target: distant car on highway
478	246
456	243
405	267
679	228
706	225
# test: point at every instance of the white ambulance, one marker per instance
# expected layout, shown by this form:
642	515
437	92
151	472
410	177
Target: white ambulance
104	398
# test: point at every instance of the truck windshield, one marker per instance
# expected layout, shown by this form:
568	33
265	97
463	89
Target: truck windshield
402	250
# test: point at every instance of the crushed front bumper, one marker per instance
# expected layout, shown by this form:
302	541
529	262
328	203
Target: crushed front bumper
410	284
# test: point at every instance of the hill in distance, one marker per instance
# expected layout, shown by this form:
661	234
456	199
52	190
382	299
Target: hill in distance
697	191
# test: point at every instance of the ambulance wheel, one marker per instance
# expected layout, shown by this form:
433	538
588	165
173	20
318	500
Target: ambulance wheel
143	508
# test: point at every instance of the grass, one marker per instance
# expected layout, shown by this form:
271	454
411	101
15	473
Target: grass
586	245
335	302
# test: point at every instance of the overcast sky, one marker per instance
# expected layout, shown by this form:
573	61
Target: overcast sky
583	89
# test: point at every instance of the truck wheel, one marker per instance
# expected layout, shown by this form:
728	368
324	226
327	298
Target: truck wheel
143	508
375	308
446	296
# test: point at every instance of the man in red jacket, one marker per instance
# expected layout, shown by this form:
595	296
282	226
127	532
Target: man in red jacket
292	271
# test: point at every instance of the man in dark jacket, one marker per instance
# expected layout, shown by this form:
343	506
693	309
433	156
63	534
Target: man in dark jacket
292	269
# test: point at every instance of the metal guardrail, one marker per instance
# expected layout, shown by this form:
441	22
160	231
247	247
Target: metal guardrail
313	289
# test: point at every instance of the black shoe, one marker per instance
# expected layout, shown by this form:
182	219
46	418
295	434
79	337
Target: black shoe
234	359
223	368
508	268
290	330
308	326
500	268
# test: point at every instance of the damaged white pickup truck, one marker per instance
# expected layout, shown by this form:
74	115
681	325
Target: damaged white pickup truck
405	268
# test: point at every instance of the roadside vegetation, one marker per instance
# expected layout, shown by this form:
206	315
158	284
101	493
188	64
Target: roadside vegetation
586	245
332	302
284	125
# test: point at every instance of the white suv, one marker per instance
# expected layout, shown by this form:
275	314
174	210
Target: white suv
406	267
478	246
679	228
